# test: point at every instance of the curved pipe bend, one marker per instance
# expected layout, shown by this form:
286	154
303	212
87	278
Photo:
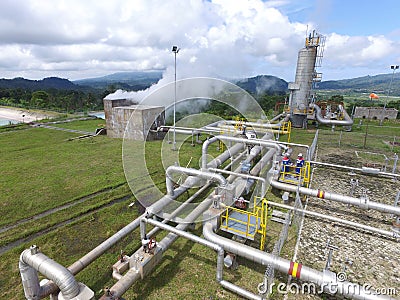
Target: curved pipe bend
351	290
193	172
31	261
346	122
260	142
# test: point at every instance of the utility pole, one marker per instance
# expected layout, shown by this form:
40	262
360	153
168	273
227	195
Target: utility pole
175	49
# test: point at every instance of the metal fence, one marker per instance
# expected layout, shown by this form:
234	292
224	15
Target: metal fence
360	140
313	147
381	151
269	274
297	215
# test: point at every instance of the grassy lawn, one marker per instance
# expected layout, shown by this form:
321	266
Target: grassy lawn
87	125
42	170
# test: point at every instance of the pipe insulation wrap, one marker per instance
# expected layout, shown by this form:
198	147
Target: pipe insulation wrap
346	122
240	291
360	202
192	180
386	233
258	142
52	270
193	172
302	272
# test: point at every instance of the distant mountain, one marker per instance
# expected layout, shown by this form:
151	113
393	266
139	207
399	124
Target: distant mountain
133	81
43	84
377	83
264	84
123	80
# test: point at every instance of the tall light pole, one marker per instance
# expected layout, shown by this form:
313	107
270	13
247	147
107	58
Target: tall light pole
394	68
175	49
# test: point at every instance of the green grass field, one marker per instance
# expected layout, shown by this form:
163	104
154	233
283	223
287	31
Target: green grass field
68	196
43	170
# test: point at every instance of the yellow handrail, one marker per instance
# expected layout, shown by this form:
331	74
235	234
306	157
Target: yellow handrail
293	177
260	215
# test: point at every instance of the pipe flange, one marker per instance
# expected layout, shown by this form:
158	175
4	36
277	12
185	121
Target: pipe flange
364	202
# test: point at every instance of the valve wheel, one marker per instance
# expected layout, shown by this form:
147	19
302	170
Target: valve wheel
152	244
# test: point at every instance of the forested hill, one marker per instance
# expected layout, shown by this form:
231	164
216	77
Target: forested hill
377	83
264	84
62	94
131	81
36	85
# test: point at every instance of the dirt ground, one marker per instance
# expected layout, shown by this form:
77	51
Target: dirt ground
364	258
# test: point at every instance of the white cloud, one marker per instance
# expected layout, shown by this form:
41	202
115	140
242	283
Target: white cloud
224	38
364	52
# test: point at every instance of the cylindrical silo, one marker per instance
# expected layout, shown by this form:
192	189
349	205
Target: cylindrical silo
301	89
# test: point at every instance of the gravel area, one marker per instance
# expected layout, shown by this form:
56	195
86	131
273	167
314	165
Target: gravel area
364	257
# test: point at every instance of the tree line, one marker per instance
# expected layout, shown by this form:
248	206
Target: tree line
68	101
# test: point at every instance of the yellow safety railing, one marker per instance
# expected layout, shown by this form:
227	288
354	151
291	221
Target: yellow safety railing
263	219
221	145
312	41
286	129
259	214
300	111
239	123
294	175
286	108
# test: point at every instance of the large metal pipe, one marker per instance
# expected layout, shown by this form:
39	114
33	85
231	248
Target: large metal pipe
240	291
360	202
346	122
87	259
179	209
220	256
192	181
361	170
277	117
207	143
254	124
126	281
254	152
183	233
386	233
130	277
50	288
32	261
245	176
324	279
193	172
190	130
262	162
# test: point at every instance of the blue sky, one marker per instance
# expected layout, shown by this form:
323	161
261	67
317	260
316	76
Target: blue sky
220	38
348	17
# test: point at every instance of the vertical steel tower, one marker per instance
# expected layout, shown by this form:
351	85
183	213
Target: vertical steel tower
306	76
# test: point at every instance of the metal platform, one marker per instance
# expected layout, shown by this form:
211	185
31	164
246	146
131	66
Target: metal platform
291	179
238	225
